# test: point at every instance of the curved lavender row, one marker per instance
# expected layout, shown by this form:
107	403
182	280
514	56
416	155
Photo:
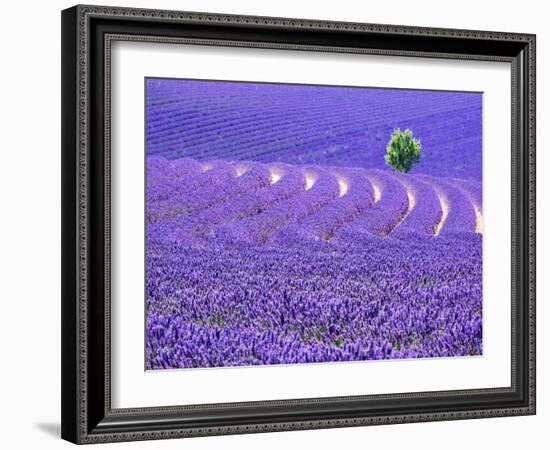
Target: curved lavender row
218	307
169	176
384	215
424	216
474	190
356	195
162	185
474	187
259	228
255	177
460	216
218	172
197	227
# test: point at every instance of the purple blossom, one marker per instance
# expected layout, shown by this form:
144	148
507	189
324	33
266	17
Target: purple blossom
263	272
276	233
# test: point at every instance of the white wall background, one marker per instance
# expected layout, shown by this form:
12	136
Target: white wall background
30	223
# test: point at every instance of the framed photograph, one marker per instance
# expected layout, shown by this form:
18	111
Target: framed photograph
279	224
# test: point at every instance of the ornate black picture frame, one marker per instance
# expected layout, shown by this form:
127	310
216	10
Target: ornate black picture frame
87	34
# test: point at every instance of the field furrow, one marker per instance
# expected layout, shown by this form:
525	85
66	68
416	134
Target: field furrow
472	190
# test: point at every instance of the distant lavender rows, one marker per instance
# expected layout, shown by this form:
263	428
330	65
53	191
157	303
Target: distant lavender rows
300	124
251	263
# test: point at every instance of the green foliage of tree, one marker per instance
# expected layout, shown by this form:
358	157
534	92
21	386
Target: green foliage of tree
403	150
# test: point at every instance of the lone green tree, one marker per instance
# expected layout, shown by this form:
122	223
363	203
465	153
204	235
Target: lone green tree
403	150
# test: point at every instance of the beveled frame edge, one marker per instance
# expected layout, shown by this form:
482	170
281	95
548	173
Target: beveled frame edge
76	220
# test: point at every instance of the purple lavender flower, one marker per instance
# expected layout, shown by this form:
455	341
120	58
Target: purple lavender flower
245	277
276	233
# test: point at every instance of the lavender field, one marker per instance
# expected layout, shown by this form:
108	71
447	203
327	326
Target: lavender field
277	233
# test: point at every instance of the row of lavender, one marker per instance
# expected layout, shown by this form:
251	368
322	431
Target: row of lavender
312	124
249	203
214	307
